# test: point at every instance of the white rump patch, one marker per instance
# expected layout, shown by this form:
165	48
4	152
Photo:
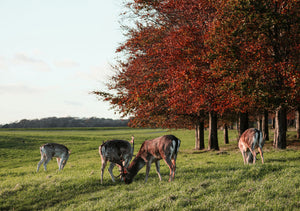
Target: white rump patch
172	148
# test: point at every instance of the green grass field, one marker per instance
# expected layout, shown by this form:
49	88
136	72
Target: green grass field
205	180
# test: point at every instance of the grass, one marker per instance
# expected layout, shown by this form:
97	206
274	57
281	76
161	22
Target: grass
204	180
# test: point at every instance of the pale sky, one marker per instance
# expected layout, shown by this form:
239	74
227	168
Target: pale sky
53	53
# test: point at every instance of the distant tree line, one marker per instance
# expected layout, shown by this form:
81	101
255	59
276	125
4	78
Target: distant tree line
53	122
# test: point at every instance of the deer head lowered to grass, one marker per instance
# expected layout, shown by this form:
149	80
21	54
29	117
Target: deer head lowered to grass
164	147
50	150
117	152
249	140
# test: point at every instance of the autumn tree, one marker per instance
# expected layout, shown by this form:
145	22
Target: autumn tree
183	59
297	119
165	79
255	48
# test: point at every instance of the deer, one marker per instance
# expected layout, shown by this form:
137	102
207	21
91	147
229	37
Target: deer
50	150
165	147
249	140
117	152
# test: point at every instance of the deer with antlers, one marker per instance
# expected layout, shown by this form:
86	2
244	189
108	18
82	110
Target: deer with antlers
249	140
117	152
164	147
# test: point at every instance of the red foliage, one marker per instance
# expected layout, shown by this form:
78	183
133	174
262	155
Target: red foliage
185	57
255	49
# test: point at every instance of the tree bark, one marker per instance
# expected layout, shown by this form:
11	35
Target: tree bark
265	125
280	129
199	136
297	119
243	123
213	131
226	140
273	123
259	123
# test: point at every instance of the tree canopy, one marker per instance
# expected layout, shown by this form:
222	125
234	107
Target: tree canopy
184	58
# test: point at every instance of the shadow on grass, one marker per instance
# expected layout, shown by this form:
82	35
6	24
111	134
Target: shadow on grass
193	151
39	197
214	171
283	160
20	143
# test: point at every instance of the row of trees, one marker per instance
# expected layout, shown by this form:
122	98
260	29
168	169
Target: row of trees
53	122
185	59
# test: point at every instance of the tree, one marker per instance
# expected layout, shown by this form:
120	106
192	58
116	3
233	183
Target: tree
280	129
243	122
265	125
297	119
213	132
165	79
183	59
255	48
226	139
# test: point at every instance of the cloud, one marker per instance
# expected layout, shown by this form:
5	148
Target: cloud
66	63
95	73
17	89
3	63
73	103
37	64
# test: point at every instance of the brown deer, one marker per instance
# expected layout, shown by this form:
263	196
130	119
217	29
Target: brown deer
116	152
50	150
164	147
249	140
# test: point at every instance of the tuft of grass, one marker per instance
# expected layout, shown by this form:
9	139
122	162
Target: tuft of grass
204	179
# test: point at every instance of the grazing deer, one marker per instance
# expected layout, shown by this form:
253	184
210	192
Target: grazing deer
116	152
50	150
164	147
251	139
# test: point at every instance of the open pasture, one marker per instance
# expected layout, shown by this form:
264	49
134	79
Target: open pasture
204	179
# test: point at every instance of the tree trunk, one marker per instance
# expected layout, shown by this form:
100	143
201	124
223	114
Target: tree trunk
199	136
265	125
213	131
243	123
226	140
259	123
280	129
273	123
297	119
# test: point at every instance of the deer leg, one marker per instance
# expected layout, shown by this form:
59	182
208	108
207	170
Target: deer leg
157	164
102	169
174	167
40	163
110	169
249	157
58	163
148	165
261	154
62	163
46	162
169	163
254	154
244	157
126	163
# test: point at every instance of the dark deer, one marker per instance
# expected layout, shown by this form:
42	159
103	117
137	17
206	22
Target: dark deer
50	150
116	152
249	140
164	147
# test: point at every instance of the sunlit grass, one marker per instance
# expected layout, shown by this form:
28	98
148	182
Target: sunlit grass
204	179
